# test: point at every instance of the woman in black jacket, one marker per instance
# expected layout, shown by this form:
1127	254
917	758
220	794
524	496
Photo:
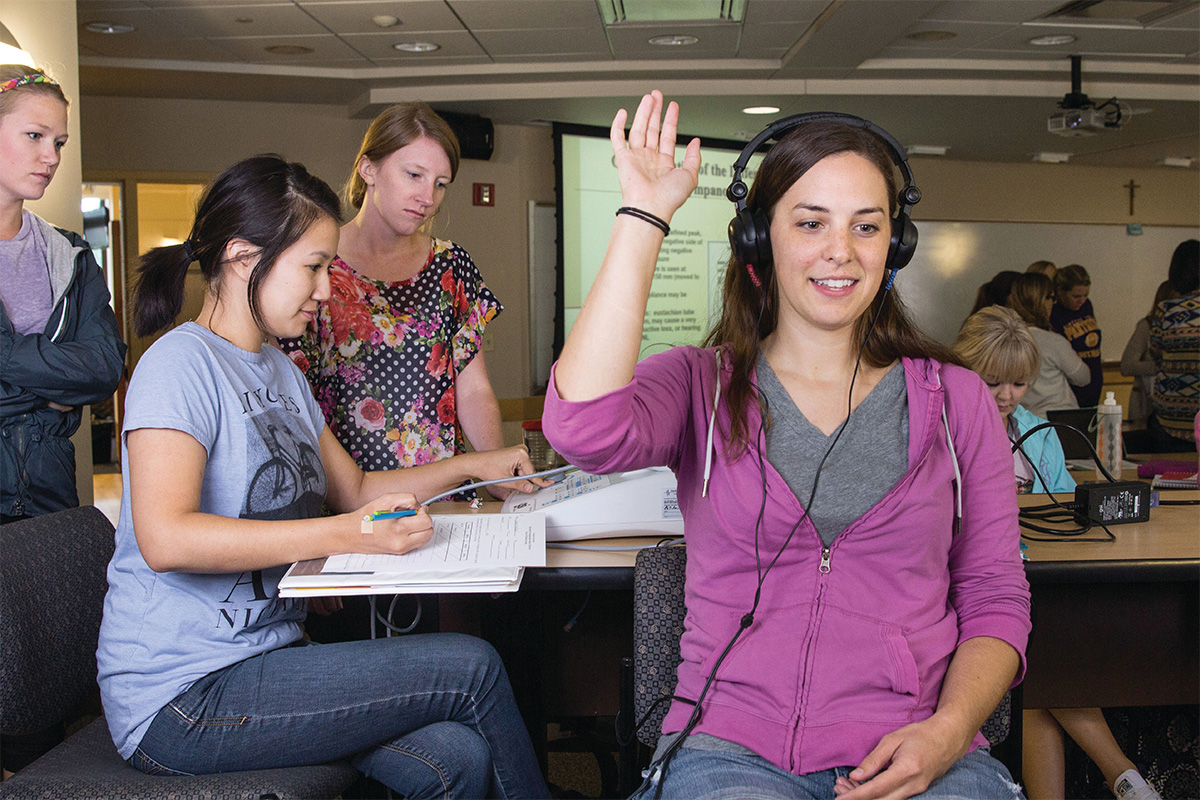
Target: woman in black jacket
60	348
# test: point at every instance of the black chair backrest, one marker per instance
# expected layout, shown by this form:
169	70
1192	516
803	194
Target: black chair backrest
659	611
52	586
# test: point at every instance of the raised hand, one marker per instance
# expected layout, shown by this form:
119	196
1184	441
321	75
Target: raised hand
646	168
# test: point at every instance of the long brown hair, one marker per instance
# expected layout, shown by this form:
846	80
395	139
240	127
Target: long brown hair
399	126
1028	298
749	314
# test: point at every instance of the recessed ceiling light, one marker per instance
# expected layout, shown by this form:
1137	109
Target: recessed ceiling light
385	21
1051	158
930	36
1052	39
673	40
761	110
926	149
1176	161
288	50
417	47
109	27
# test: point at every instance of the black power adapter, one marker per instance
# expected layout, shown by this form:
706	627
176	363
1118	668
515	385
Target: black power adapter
1114	503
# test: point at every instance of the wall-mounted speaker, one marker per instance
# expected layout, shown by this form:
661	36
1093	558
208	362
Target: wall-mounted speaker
476	135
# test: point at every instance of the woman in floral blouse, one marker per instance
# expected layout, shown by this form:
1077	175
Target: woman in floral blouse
396	355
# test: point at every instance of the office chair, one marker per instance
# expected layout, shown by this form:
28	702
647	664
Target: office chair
659	611
52	586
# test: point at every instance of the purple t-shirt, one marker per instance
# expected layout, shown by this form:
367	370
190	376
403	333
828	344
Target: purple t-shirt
1083	332
25	279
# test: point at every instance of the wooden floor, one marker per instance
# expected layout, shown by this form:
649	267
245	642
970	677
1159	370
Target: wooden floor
107	491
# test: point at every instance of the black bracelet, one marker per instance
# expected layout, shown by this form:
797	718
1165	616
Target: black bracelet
645	216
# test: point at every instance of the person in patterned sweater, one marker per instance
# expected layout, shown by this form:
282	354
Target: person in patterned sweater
1175	347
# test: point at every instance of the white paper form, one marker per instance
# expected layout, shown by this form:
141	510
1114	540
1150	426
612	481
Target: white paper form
460	541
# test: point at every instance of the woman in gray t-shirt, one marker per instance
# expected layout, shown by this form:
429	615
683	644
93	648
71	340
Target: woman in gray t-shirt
227	461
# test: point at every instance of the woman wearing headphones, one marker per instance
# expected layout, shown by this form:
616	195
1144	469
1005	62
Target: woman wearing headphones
845	636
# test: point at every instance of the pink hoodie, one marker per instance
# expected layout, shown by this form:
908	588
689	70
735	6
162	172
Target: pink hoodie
849	643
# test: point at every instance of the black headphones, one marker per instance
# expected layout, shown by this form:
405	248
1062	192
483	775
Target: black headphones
750	231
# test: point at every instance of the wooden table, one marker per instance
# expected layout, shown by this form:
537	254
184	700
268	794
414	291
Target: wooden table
1117	623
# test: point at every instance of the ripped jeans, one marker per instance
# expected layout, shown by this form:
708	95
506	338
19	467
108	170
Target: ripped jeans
427	716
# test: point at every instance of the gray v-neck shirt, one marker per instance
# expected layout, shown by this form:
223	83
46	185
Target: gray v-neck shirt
870	457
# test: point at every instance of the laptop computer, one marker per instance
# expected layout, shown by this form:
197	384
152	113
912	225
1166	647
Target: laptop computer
1084	421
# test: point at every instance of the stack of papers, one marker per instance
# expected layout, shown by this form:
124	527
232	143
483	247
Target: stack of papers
468	553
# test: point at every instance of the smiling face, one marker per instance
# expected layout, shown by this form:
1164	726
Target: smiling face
1073	298
32	134
289	294
830	234
406	188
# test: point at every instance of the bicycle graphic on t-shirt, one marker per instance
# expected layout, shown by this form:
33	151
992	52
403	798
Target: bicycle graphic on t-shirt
292	470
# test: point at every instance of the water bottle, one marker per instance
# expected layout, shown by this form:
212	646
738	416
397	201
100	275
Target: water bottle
1108	437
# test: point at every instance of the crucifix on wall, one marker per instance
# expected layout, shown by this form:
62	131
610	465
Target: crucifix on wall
1131	186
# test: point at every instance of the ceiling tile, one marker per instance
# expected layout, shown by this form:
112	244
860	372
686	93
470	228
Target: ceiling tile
414	60
1101	42
377	46
179	49
564	60
528	14
632	41
355	16
279	19
770	12
775	35
146	24
325	49
91	6
514	43
993	10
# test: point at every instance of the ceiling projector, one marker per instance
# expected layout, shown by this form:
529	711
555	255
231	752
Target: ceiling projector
1078	115
1079	122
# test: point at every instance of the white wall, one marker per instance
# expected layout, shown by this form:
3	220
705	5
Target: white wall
124	133
139	134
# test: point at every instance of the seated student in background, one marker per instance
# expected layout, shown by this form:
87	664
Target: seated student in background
227	461
851	635
996	344
1072	317
1058	368
1175	347
1137	363
994	292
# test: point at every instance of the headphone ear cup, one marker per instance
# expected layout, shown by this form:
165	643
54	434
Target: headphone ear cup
903	244
750	239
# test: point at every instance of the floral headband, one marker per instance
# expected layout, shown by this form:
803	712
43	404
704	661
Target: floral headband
25	80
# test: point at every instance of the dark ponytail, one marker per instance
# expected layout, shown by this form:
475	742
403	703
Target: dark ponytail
158	296
263	200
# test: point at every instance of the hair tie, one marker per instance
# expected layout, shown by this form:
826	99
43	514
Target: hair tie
188	251
645	216
25	80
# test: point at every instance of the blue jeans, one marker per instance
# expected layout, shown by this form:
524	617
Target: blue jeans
708	775
427	716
